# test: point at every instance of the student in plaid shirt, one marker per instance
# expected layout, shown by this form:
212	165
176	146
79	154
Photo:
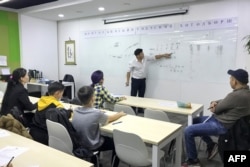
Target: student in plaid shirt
101	93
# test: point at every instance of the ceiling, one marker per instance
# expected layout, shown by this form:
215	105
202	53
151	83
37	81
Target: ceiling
72	9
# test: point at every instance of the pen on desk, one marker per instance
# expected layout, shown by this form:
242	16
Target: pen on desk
10	161
116	122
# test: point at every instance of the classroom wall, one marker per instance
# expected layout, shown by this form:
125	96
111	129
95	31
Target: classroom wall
197	92
38	41
9	38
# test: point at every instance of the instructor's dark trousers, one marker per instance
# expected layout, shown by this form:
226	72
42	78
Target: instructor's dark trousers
138	86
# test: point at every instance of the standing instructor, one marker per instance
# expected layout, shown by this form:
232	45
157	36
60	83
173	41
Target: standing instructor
138	72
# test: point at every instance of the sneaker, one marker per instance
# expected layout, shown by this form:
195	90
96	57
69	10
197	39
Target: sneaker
191	163
212	151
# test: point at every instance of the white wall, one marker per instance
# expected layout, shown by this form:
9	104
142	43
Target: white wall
196	92
38	43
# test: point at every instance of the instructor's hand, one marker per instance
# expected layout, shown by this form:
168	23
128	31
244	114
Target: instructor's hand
168	55
127	83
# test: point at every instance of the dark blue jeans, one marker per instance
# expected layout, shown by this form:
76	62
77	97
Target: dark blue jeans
211	127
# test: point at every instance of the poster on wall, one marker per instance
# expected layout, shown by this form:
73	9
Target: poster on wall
70	52
3	60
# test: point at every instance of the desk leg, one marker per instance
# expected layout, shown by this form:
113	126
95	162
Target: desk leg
190	120
72	91
178	149
190	117
155	156
44	90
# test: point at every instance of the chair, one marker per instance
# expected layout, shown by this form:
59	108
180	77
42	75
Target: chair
108	106
161	116
60	139
75	101
156	114
124	108
237	138
67	91
131	149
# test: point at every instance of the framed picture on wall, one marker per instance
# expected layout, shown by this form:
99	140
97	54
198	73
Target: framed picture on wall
70	57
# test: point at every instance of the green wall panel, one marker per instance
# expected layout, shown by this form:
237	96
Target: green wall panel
9	38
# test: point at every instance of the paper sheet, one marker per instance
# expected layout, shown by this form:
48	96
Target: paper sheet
168	104
3	60
4	133
116	95
4	160
11	151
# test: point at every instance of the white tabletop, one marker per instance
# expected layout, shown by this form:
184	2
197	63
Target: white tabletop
38	154
154	132
164	105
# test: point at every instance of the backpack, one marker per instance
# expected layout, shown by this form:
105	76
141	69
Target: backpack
18	115
237	137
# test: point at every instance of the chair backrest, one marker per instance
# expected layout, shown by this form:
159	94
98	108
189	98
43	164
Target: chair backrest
131	149
108	106
59	137
75	101
156	114
67	90
127	109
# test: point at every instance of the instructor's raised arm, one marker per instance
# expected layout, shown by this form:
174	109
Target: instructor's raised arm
166	55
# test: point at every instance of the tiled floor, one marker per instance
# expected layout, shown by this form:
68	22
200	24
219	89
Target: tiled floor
105	157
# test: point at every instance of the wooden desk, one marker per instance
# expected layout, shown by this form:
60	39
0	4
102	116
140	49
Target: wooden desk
163	105
154	132
39	154
44	87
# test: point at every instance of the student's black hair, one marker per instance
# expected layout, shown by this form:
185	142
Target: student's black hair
55	86
15	79
138	51
85	94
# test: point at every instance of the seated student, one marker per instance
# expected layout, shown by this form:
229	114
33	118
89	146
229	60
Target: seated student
225	113
87	119
101	93
16	95
39	129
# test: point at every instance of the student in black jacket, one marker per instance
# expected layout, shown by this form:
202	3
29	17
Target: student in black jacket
45	105
16	95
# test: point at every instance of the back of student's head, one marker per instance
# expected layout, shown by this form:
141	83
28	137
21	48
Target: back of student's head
55	86
85	94
96	77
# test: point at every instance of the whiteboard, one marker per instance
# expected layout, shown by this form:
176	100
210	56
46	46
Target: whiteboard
202	56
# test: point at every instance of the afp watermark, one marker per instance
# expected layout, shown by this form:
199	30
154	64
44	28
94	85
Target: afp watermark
236	158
